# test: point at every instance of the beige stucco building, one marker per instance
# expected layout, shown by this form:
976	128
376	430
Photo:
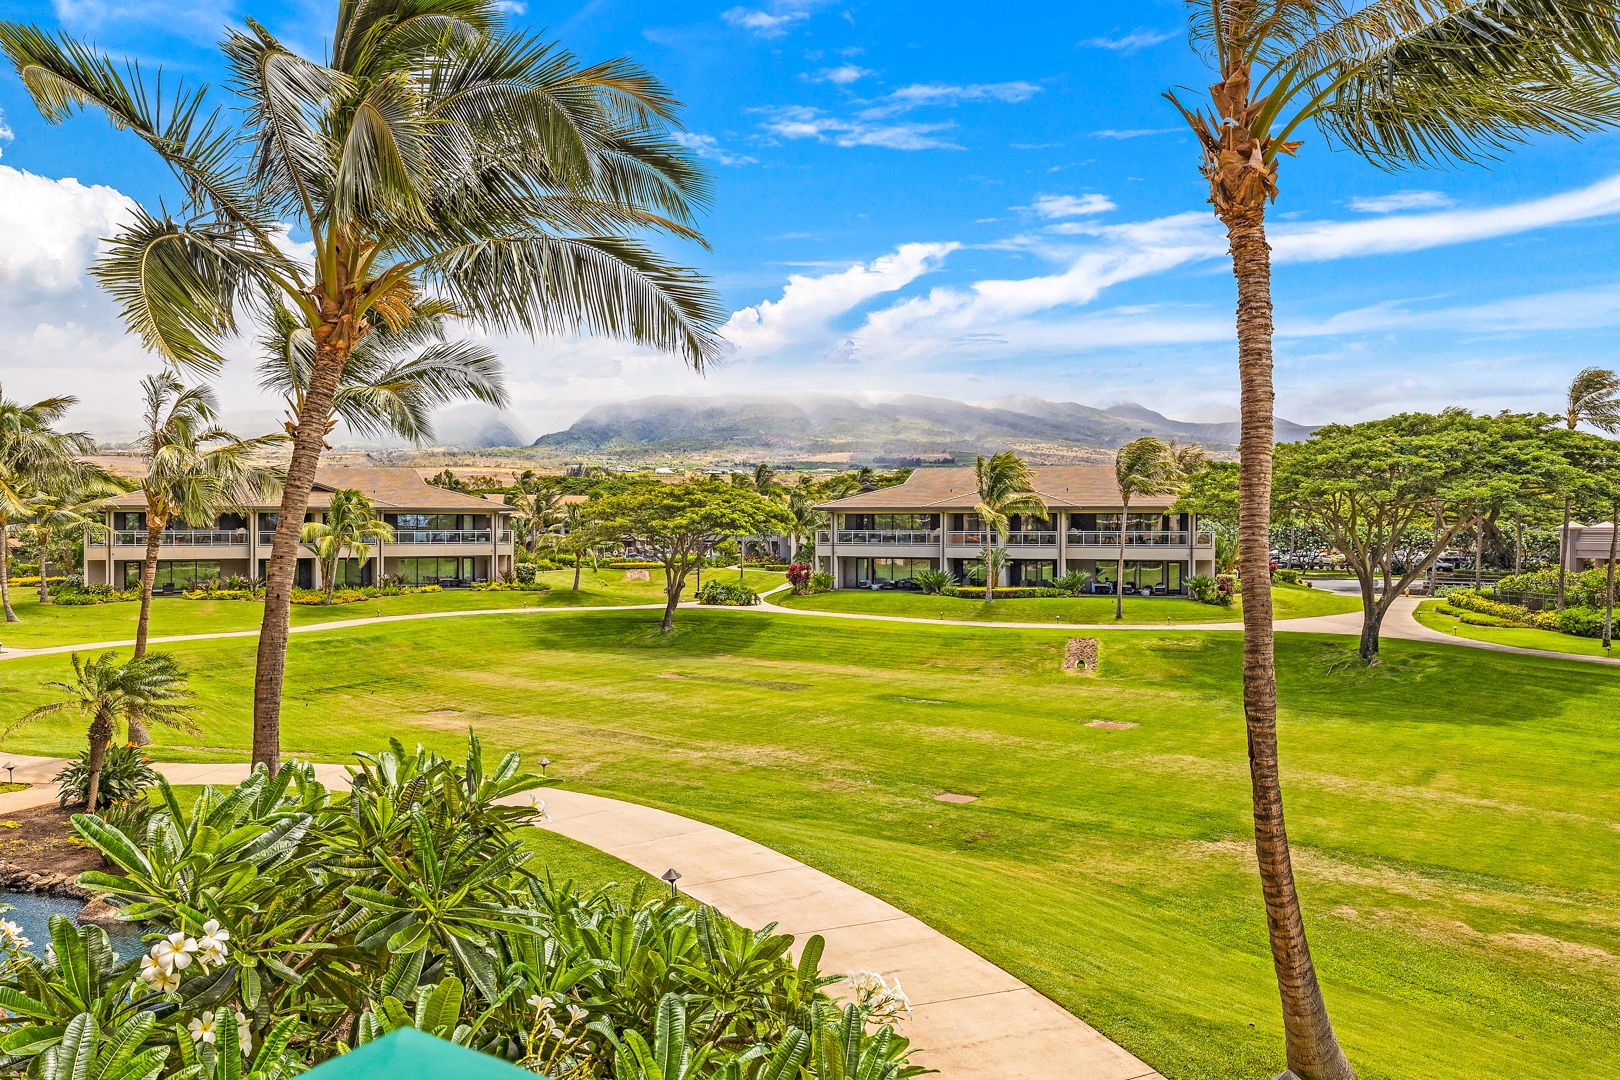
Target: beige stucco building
928	521
440	537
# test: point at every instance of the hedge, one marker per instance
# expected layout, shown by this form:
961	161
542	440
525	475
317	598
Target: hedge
1580	620
1010	593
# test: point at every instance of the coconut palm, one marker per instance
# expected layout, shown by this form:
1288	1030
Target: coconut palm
991	562
538	512
1005	487
34	456
1401	82
801	507
55	513
347	530
149	690
434	159
576	533
1593	398
1145	467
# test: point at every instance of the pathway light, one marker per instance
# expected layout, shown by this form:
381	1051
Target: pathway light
672	876
543	763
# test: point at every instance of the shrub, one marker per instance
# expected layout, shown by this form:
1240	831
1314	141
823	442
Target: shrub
1287	577
798	576
73	582
524	572
345	596
124	775
1074	582
932	582
821	581
1582	620
26	582
1009	593
1204	589
727	594
94	596
1226	587
511	586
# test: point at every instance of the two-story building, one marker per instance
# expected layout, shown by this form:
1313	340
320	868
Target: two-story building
440	538
887	535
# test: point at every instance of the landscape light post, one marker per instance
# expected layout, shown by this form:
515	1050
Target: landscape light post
672	876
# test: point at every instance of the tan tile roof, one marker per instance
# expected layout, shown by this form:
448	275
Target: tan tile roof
388	488
1061	487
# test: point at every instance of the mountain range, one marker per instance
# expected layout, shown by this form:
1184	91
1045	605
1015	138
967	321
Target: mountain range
912	429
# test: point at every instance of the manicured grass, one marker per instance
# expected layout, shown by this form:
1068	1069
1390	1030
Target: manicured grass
1454	815
50	624
1289	602
1521	637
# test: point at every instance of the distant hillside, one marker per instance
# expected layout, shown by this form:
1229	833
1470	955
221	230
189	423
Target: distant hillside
909	429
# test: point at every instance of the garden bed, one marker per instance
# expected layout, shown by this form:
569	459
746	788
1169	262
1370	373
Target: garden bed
40	853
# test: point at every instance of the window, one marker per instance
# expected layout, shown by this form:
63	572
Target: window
1032	573
129	519
891	522
433	571
878	570
171	575
439	522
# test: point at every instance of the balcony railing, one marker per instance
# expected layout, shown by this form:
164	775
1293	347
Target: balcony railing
1032	539
1136	538
916	537
183	537
444	536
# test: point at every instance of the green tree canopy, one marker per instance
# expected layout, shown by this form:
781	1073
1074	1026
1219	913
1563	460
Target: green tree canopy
682	522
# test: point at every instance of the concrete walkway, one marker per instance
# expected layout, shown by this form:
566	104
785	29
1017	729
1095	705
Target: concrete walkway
970	1019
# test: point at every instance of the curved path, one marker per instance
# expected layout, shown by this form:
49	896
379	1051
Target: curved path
970	1019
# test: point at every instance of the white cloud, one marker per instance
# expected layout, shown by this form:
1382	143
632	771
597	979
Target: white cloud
1402	200
1140	38
774	20
1062	206
52	229
950	94
6	134
1131	133
707	146
808	303
805	122
842	75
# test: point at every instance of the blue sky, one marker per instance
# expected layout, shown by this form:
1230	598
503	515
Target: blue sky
927	198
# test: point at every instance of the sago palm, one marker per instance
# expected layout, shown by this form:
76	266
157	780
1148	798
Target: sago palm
1005	486
1144	467
348	529
433	158
34	456
1400	82
1593	398
149	690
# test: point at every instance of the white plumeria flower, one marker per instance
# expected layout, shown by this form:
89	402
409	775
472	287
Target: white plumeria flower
211	946
202	1028
575	1014
174	952
539	1003
159	978
244	1033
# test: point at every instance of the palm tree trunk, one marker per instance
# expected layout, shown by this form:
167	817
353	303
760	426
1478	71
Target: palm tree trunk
1563	553
101	733
1479	549
44	567
1119	575
1608	605
5	569
1312	1048
271	667
579	558
154	540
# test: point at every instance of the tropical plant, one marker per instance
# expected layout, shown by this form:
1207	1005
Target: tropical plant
126	772
33	456
195	470
438	162
1005	486
1593	398
1204	589
1403	82
1143	468
804	520
1074	582
578	534
798	578
727	594
821	581
992	560
346	531
931	581
538	512
151	689
56	511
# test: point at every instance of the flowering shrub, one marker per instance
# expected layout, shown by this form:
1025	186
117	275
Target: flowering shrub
416	899
798	576
727	594
354	594
511	586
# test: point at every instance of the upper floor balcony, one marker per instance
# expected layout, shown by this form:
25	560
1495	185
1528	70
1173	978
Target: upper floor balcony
426	536
183	538
897	537
1136	538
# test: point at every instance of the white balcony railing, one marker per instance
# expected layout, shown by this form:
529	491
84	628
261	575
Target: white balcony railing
1032	539
444	536
183	537
915	538
1136	538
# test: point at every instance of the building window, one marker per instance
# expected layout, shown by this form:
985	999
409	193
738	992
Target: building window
446	570
174	575
891	522
870	571
129	519
1032	573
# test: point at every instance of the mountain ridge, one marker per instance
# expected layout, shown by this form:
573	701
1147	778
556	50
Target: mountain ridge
912	428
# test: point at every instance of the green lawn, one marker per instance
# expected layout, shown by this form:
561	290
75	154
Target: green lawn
1289	602
1521	637
49	624
1454	818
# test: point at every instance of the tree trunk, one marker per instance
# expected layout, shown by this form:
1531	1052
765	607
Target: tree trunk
1608	604
1119	576
5	570
674	582
1313	1049
44	568
1479	549
271	667
1563	553
101	733
1518	545
579	558
330	575
991	571
1372	622
154	541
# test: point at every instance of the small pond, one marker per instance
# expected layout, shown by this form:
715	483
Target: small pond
32	913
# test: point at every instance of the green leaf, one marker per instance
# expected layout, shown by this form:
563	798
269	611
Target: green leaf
111	843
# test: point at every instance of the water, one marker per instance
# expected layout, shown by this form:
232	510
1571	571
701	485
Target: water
32	912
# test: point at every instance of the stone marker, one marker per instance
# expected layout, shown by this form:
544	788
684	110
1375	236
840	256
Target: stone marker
638	575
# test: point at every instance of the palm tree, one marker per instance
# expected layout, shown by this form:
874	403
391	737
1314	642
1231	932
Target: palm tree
349	527
55	512
538	512
576	535
991	562
1144	467
1593	398
195	471
1005	487
148	689
33	456
437	161
1401	82
801	507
